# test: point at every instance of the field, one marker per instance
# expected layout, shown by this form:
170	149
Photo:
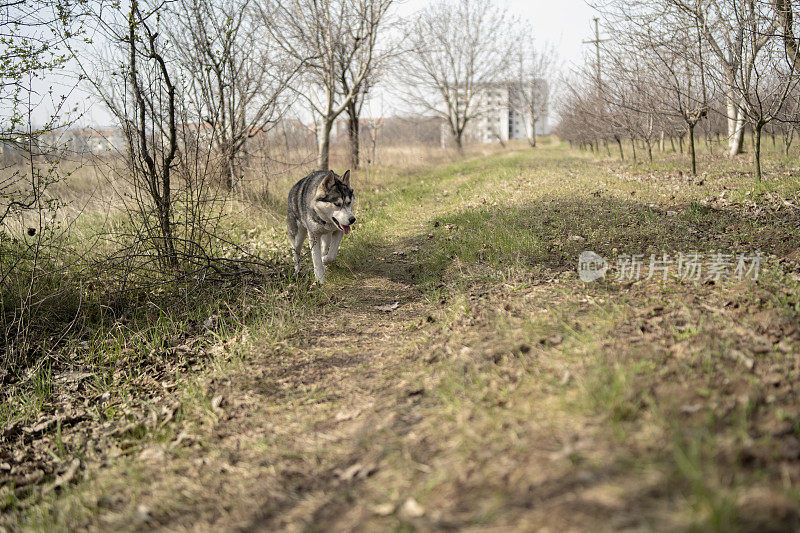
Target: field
454	372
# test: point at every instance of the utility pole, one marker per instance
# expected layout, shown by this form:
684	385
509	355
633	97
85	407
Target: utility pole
596	42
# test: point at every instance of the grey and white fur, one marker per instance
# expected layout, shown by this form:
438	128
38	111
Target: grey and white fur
320	207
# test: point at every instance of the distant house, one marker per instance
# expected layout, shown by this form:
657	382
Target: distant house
106	140
505	112
78	141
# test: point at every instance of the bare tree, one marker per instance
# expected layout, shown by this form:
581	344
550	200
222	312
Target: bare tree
535	77
456	49
353	109
237	78
137	80
770	81
329	35
386	51
150	125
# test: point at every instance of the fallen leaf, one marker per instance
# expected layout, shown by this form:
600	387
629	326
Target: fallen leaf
143	514
412	509
350	472
383	509
342	416
216	404
784	347
388	308
741	358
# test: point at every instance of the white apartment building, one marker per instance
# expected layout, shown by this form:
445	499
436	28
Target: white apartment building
505	113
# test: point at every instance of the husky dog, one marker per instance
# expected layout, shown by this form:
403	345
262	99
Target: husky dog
319	206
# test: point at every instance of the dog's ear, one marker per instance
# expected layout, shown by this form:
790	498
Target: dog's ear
327	181
346	178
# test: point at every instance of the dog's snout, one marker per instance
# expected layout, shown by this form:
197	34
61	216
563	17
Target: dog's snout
352	220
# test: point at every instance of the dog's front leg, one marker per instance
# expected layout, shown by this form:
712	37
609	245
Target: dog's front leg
325	241
316	258
336	239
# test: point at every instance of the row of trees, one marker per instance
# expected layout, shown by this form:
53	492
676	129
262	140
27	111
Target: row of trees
234	67
673	66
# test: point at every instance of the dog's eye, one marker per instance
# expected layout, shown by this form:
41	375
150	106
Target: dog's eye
338	204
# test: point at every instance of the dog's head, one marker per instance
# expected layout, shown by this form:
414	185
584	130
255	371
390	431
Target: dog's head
334	200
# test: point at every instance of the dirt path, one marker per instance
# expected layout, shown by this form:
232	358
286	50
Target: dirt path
297	426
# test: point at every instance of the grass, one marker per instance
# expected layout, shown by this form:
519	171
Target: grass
501	393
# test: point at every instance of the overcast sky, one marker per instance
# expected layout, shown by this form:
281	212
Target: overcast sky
562	23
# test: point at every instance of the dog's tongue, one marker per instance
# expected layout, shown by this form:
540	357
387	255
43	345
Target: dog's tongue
346	229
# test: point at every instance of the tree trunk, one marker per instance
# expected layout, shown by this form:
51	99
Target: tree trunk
691	149
324	144
736	142
459	143
672	143
353	133
757	149
735	119
649	149
621	153
633	145
230	169
661	142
